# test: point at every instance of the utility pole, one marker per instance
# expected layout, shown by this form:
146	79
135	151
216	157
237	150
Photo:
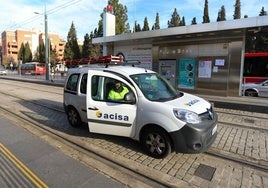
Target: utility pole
47	49
47	45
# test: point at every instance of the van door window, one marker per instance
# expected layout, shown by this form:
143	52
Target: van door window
83	85
108	89
72	82
116	90
96	89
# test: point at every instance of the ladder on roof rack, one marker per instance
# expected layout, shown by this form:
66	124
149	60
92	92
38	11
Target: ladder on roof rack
102	60
110	59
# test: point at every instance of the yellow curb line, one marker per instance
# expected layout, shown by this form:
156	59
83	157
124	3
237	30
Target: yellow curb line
25	170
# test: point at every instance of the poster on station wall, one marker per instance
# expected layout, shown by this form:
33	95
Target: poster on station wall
167	69
204	68
143	53
186	73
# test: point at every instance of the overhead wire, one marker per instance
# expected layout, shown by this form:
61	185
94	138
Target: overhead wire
48	12
62	6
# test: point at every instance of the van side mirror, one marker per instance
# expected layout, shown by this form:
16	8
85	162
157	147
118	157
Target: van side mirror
130	98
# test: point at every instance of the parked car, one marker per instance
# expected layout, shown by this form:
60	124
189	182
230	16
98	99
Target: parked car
3	71
256	89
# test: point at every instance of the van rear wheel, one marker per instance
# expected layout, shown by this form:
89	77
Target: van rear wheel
156	142
73	117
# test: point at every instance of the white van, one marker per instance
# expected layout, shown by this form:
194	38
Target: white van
153	112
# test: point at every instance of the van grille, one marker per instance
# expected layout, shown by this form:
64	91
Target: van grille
208	115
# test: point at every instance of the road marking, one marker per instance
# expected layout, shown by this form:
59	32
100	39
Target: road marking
24	169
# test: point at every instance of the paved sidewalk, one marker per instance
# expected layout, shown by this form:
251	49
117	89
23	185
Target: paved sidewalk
41	165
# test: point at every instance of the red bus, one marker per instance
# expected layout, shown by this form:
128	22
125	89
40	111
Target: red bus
33	68
255	67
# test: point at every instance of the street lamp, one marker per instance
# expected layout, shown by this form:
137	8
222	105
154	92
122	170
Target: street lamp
46	47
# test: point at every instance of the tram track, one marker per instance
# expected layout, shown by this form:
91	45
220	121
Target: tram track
247	114
38	87
104	164
243	126
85	149
60	109
260	165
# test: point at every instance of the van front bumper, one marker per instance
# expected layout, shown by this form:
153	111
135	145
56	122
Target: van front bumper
195	138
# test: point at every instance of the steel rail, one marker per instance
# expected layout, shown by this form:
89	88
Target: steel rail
243	115
128	172
260	165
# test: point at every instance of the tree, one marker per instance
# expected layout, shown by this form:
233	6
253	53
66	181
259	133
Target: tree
28	53
156	24
206	15
145	25
21	53
100	29
194	21
257	41
40	53
7	60
221	14
72	50
261	40
182	22
121	16
263	12
237	12
25	53
137	27
53	56
95	49
86	47
128	28
68	53
175	19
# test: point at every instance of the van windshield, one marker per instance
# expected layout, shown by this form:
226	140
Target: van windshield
154	87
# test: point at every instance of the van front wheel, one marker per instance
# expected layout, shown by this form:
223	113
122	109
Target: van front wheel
73	117
156	142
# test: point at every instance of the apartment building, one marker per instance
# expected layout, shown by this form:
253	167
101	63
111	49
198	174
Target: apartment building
12	40
56	43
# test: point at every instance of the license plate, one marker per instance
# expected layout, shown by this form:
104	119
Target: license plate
214	130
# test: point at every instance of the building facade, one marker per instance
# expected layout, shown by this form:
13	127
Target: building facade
12	40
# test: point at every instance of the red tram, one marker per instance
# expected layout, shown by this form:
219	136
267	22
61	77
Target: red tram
255	67
33	68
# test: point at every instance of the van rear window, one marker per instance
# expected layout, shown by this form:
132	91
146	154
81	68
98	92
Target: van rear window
72	82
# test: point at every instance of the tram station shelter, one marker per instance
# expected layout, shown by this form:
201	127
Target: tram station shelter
202	59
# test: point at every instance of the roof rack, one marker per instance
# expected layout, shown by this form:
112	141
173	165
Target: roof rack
93	60
132	62
110	59
102	61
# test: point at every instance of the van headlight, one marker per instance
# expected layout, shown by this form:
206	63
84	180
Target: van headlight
187	116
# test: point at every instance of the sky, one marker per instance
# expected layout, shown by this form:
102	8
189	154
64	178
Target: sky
85	14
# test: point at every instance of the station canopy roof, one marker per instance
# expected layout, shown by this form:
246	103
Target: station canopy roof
231	29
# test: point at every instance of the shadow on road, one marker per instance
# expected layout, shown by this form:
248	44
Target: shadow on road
43	111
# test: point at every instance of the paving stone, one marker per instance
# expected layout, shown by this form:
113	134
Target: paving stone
256	180
238	140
